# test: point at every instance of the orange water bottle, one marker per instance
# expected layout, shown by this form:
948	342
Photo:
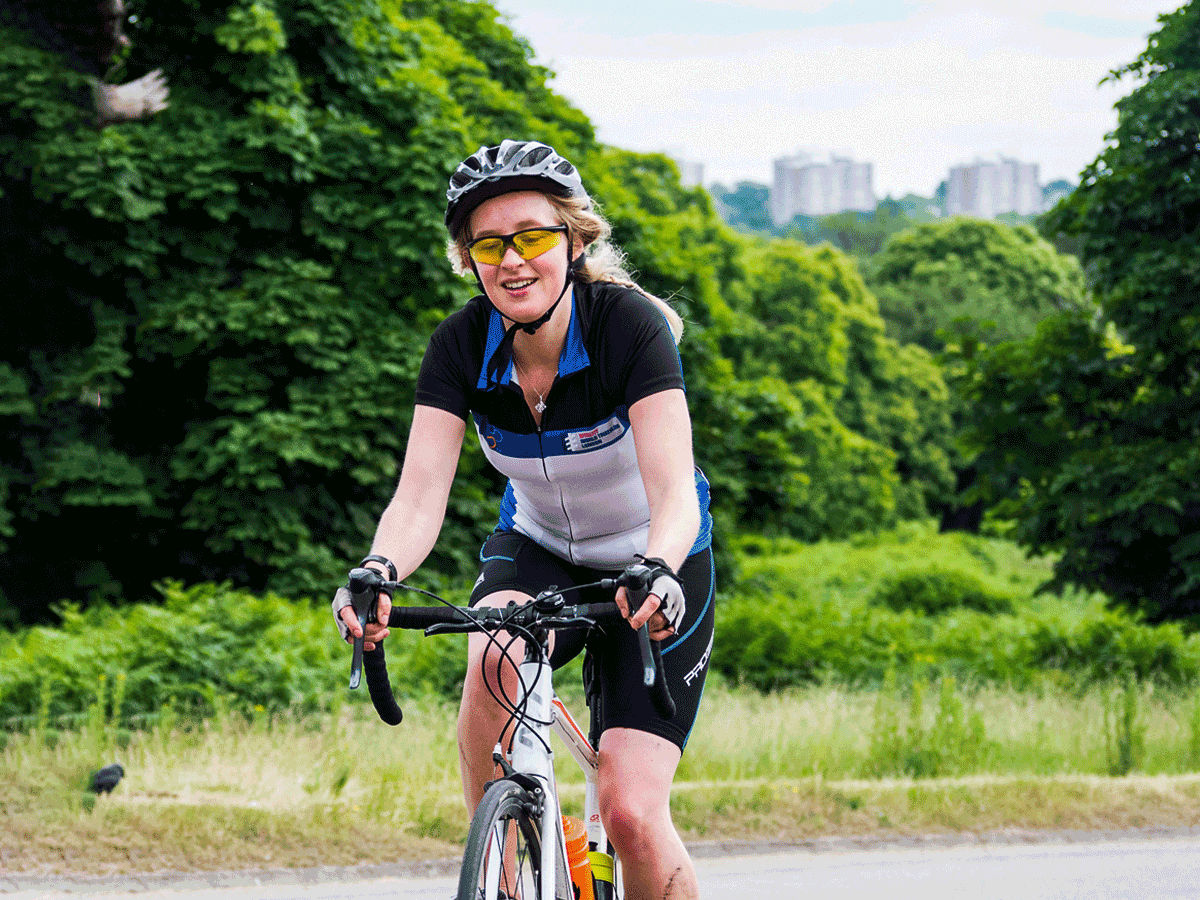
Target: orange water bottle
577	857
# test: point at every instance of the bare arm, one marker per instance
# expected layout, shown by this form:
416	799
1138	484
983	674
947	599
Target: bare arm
410	525
662	433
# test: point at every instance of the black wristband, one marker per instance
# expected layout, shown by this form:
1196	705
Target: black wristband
380	559
656	563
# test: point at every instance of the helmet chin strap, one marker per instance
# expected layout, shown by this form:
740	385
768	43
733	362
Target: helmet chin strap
503	355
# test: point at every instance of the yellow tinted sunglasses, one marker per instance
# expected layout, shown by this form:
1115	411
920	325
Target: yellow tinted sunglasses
529	243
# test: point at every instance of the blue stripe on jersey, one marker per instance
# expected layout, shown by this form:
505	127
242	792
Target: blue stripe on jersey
508	443
494	336
508	511
574	356
547	444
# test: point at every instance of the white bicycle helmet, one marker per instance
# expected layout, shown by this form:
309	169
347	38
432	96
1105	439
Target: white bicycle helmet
510	166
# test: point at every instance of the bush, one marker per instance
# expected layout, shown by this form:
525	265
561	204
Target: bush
936	590
770	641
1115	643
758	647
207	648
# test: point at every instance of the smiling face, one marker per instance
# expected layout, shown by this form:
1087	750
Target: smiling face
521	289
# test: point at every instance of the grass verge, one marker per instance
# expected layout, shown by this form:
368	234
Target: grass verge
242	793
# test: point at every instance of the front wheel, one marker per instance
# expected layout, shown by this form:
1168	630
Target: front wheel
503	856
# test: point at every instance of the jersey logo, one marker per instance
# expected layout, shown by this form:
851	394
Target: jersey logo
594	438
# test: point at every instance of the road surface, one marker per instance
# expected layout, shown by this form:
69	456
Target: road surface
1115	870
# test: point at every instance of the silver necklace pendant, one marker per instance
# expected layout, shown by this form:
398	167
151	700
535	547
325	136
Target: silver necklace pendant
540	406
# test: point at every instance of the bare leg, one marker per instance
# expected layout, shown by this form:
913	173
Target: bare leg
636	770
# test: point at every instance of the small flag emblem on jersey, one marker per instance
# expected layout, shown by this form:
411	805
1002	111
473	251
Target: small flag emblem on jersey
594	438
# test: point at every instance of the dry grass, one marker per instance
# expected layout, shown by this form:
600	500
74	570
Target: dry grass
236	793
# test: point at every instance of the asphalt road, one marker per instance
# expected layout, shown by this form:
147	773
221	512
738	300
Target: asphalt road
1111	870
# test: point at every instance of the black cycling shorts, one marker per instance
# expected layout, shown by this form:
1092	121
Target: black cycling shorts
512	561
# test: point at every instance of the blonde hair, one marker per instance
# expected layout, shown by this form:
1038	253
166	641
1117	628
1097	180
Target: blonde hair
604	263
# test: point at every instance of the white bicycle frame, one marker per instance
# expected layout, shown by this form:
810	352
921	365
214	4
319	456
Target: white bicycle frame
533	756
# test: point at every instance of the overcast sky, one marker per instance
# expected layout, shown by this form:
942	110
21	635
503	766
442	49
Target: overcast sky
911	86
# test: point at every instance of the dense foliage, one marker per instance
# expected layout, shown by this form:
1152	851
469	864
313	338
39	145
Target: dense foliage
913	605
809	322
934	590
942	281
201	649
217	309
1089	433
219	313
957	284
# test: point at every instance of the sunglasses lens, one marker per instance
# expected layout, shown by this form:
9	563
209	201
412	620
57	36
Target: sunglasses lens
536	242
488	251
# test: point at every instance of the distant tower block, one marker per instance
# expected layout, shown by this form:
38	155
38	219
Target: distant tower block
805	185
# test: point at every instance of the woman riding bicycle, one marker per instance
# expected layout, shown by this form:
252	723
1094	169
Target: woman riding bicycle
570	374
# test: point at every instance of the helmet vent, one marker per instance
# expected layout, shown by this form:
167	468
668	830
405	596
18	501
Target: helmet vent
510	151
536	155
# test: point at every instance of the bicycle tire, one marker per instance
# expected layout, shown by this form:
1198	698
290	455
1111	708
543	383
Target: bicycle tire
505	827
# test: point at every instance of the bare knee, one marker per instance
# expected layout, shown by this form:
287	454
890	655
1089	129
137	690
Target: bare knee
636	770
633	820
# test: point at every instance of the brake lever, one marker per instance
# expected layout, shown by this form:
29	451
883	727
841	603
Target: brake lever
363	586
648	667
636	581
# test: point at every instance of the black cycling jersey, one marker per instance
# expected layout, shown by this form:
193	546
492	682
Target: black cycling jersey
574	483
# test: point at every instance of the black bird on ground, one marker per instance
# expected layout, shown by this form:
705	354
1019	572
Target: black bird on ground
107	778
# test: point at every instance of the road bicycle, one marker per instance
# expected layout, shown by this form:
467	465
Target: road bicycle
516	845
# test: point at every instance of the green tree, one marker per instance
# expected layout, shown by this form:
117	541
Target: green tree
216	316
861	234
962	276
951	285
1089	434
807	318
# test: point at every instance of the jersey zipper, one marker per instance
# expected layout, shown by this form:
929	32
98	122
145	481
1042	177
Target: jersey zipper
542	455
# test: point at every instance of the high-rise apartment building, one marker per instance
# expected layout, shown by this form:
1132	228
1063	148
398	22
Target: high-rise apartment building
691	171
805	185
986	189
